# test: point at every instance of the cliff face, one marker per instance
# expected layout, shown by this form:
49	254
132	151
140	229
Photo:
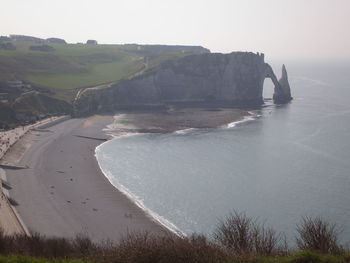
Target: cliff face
234	79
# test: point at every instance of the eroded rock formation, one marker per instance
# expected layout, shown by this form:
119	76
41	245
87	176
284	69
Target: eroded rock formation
282	93
234	79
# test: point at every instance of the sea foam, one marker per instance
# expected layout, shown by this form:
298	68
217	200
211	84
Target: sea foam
252	116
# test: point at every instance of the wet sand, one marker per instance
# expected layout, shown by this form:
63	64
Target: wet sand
175	119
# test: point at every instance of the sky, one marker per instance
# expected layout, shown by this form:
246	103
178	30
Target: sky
309	29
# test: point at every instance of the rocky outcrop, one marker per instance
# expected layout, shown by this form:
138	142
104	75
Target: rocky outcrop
282	93
234	79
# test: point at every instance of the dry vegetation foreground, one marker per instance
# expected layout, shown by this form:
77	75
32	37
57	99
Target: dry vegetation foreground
237	239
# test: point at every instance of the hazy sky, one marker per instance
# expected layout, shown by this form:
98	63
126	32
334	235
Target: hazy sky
279	28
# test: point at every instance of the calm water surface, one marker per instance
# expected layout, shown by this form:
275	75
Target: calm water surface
291	161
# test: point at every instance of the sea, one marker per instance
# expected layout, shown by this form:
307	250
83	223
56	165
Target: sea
278	165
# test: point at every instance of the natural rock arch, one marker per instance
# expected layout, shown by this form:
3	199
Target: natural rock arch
282	92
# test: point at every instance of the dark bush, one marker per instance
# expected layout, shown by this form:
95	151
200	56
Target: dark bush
83	246
7	46
266	241
44	48
318	235
240	235
237	239
235	233
147	248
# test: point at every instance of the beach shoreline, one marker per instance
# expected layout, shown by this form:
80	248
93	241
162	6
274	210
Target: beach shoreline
134	124
10	221
64	192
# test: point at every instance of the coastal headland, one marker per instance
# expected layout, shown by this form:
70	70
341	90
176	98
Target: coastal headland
62	191
59	189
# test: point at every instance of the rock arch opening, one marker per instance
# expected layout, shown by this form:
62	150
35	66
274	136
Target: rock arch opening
281	89
268	89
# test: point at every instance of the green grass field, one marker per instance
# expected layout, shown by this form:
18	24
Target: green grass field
74	66
24	259
299	257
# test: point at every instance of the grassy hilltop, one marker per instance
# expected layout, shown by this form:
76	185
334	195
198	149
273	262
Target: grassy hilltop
39	77
72	66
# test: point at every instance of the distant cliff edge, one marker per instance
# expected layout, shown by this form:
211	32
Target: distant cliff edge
234	79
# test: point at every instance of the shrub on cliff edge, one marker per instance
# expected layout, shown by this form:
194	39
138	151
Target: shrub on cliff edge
240	234
317	234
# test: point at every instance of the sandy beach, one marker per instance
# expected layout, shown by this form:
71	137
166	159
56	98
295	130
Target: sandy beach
63	192
10	222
